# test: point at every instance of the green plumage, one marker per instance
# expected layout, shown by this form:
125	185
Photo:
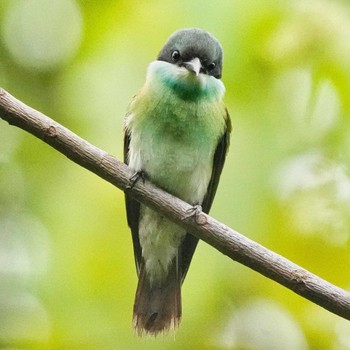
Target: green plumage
177	133
175	138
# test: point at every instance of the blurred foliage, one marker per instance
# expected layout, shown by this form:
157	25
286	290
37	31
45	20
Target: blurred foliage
66	264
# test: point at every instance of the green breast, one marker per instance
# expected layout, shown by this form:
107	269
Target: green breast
176	131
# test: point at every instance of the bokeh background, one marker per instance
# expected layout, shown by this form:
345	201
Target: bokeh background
67	276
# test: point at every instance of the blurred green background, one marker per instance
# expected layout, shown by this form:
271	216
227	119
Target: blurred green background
67	275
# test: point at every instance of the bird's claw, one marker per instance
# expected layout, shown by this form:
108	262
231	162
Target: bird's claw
196	212
136	177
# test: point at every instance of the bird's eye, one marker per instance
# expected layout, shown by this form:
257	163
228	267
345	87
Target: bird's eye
211	66
175	55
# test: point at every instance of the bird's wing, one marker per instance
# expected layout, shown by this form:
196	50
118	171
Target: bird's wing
190	242
132	211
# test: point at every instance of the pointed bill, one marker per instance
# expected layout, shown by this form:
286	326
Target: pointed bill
194	65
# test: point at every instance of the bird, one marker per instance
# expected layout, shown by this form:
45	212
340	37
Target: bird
176	135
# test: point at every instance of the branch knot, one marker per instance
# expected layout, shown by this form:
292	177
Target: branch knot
51	131
299	277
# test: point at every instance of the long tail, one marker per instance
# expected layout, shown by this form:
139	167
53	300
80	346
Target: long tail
157	307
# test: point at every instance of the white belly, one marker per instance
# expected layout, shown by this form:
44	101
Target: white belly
180	171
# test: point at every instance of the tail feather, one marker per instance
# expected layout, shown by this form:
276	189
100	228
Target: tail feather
157	306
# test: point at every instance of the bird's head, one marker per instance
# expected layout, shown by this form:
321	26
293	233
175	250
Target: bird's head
190	63
194	49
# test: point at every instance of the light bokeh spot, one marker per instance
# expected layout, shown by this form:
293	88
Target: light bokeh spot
316	191
342	331
23	318
25	246
42	34
262	325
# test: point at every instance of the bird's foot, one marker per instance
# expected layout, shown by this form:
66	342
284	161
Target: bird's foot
136	177
196	212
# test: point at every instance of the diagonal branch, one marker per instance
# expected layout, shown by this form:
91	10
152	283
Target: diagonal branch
218	235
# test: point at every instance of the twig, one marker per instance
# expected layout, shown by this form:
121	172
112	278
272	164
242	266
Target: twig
218	235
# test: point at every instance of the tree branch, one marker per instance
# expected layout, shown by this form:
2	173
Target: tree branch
218	235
